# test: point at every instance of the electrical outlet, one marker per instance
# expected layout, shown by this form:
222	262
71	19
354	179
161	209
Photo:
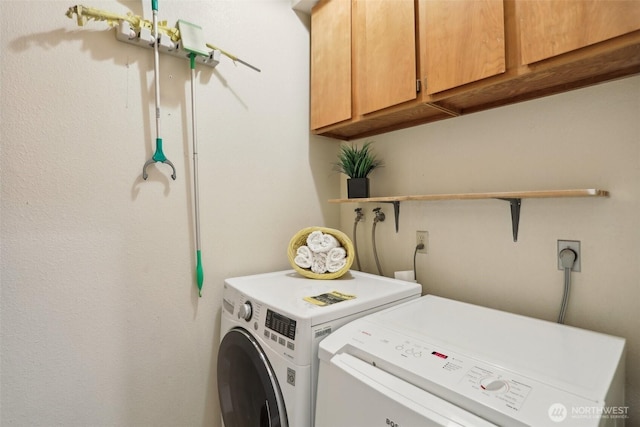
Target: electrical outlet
422	237
575	246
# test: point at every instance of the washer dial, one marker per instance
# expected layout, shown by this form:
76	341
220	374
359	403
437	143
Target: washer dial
245	311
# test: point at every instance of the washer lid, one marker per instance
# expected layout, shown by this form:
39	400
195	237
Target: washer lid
286	292
505	368
570	358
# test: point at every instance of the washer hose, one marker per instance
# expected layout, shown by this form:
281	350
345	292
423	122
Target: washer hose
359	217
379	218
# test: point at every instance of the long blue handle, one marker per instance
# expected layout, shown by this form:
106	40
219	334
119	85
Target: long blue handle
154	5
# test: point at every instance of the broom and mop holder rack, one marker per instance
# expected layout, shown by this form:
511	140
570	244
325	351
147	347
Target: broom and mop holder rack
137	31
187	42
145	39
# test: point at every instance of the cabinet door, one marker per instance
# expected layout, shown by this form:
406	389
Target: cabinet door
464	41
330	63
384	53
550	28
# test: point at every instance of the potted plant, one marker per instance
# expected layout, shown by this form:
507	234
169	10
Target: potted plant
357	164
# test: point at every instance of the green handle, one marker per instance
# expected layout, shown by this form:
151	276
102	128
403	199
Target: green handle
154	5
199	272
192	56
159	156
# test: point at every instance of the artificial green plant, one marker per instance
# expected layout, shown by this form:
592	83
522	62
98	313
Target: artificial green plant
357	162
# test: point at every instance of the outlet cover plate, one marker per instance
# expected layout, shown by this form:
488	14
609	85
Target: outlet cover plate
422	237
575	246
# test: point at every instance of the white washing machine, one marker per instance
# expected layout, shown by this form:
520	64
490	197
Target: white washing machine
270	330
438	362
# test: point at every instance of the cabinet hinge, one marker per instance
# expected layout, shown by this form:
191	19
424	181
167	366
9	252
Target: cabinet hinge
418	86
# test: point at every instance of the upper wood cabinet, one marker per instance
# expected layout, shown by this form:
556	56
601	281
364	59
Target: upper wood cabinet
330	63
463	41
467	55
384	53
550	28
363	62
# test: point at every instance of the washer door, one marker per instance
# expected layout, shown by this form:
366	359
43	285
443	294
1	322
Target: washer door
248	388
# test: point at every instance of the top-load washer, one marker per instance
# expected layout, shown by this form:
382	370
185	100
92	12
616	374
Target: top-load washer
270	329
439	362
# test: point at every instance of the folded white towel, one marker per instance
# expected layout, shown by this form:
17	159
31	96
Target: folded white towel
314	241
336	259
319	263
319	242
329	242
303	257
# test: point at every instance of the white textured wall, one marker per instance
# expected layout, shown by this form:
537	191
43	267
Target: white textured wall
582	139
101	323
100	320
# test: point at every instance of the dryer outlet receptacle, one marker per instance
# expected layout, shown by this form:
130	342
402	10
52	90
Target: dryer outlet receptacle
574	245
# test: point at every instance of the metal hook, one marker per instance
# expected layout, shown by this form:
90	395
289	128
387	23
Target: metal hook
158	156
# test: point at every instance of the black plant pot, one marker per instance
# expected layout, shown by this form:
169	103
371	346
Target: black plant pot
357	188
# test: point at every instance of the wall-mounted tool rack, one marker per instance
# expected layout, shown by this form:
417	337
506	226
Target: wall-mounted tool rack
145	39
135	30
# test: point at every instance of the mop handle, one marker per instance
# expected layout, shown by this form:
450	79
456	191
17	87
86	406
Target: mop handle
156	66
199	270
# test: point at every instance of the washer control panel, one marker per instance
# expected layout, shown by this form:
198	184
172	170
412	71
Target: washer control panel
505	389
281	324
276	330
468	381
476	377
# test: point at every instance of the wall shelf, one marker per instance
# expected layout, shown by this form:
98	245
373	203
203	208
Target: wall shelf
513	197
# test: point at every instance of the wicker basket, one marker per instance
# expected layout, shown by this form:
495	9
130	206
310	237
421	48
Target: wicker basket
300	239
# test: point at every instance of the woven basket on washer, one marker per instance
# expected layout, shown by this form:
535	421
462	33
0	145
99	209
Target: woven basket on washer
300	239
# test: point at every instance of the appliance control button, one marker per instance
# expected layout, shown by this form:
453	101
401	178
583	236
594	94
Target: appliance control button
495	385
245	312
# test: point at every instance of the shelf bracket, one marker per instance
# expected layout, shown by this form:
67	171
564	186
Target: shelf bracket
396	213
515	215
